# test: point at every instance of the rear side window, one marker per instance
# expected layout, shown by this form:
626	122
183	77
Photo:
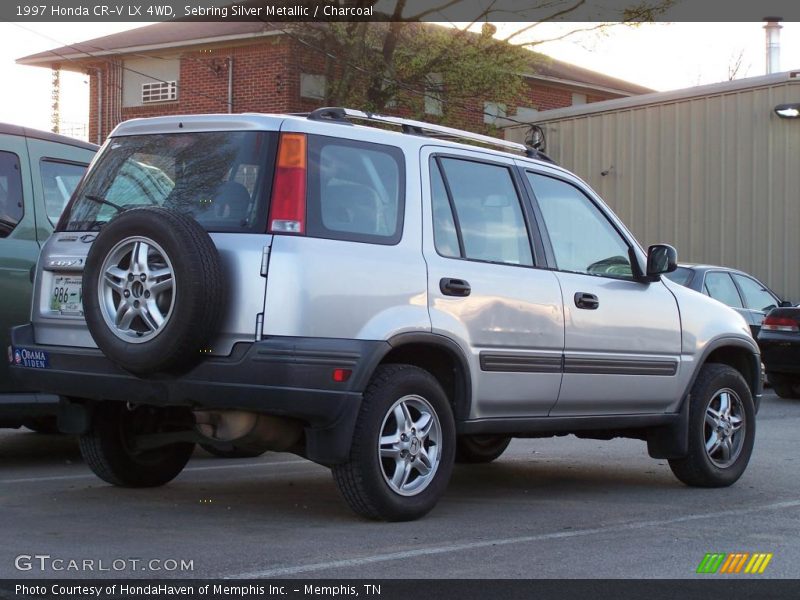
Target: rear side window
477	213
355	190
11	206
220	178
59	180
720	287
756	296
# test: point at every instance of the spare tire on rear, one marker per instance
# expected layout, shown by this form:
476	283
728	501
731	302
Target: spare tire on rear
153	290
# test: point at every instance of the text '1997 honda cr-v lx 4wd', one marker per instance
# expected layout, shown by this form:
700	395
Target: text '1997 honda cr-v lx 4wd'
382	302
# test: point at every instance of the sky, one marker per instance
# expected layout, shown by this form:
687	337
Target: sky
661	56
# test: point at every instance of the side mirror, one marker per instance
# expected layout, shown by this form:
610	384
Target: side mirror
785	304
661	258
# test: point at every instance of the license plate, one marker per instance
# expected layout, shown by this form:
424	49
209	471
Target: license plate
66	296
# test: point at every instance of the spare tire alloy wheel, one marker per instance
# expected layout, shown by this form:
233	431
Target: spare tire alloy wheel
153	290
136	292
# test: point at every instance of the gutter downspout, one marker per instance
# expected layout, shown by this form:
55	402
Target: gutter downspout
99	107
230	84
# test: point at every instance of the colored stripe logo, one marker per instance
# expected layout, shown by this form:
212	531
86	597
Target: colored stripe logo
735	562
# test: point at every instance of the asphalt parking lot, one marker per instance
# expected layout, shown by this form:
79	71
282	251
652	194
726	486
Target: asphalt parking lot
550	508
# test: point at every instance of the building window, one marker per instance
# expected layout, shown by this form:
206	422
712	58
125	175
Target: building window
312	86
159	91
578	99
492	111
434	84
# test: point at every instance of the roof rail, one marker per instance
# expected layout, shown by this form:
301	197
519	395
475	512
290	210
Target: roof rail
410	126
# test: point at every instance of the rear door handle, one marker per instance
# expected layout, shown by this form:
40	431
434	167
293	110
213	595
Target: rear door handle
587	301
454	287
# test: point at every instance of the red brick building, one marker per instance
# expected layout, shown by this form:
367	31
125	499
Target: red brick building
180	68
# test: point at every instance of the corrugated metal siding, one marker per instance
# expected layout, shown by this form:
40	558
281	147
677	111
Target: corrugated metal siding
716	176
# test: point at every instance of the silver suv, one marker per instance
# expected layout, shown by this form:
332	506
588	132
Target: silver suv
385	303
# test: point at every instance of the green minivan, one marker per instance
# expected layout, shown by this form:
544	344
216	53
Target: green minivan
38	173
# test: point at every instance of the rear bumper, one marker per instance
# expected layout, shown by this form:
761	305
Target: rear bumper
780	351
291	377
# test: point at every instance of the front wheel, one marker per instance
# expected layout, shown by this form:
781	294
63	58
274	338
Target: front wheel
110	448
722	429
403	447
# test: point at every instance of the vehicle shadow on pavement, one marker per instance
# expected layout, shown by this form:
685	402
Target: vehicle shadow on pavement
23	447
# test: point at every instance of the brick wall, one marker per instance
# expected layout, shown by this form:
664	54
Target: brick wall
266	78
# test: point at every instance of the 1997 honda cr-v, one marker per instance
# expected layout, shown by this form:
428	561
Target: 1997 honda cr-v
381	302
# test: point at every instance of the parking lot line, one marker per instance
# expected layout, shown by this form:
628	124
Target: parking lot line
188	469
432	550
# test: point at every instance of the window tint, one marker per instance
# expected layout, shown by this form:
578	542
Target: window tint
488	211
681	275
583	239
355	190
720	287
756	296
11	206
210	176
444	227
59	180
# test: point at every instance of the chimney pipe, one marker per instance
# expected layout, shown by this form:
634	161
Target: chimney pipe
773	31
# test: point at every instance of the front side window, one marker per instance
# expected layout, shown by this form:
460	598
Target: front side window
11	205
214	177
488	224
756	296
583	239
720	287
59	180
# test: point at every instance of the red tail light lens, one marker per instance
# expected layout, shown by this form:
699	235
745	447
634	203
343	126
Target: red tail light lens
780	324
287	213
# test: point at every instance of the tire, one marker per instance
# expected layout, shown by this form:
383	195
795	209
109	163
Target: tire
475	449
232	453
725	462
785	387
397	401
44	425
107	447
153	290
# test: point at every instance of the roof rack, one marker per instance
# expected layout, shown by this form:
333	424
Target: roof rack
410	126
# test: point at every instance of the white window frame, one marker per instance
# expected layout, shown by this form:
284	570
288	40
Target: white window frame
159	91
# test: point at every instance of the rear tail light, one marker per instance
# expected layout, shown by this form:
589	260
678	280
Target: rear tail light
287	213
780	324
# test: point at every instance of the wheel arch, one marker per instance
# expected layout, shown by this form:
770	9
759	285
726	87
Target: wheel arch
442	358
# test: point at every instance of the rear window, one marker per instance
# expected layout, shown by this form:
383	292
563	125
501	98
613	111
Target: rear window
355	190
59	180
220	178
681	275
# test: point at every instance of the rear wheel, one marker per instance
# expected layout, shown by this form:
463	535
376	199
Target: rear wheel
403	447
480	448
721	429
111	448
785	387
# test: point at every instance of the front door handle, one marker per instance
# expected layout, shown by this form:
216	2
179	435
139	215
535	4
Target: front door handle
454	287
587	301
